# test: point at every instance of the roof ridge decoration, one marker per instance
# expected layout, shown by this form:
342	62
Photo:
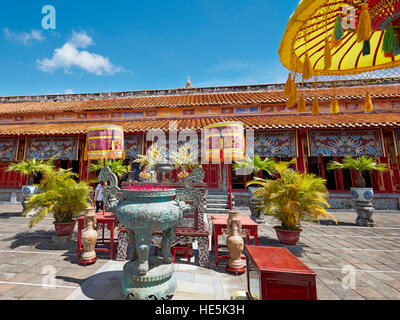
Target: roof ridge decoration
192	91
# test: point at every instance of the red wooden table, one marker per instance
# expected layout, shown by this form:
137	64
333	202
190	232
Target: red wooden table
219	223
108	220
279	274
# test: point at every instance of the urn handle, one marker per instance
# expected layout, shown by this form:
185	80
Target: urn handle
111	191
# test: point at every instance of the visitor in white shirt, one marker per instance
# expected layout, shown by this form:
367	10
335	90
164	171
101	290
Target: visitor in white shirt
98	197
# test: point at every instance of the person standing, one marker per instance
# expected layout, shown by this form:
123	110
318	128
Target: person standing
98	197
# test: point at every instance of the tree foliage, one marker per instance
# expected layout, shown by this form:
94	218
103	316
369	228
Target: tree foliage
60	195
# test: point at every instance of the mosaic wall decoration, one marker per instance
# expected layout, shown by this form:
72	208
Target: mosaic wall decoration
8	149
354	106
275	144
188	112
50	117
247	110
267	109
395	104
65	148
227	110
345	143
133	114
98	115
133	145
151	113
115	114
82	116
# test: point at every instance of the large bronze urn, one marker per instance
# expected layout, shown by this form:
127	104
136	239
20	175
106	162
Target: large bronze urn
144	210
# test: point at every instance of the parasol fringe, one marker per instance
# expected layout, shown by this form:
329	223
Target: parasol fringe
301	107
288	87
327	54
364	29
334	43
368	107
293	97
307	69
334	105
389	41
366	48
338	30
315	105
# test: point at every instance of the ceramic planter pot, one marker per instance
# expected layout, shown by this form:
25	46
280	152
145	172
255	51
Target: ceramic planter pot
64	229
362	194
234	243
288	237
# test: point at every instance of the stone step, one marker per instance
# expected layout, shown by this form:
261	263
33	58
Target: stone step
218	205
215	210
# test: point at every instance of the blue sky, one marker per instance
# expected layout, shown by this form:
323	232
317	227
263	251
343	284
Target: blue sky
101	46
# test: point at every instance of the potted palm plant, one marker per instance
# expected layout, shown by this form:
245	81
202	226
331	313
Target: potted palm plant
361	165
62	196
291	198
31	168
255	165
116	166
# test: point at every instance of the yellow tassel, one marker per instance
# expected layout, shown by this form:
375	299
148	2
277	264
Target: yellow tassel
288	87
334	43
334	105
368	107
307	69
364	30
295	93
301	107
315	106
327	54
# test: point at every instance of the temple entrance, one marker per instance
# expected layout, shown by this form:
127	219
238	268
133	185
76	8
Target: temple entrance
211	175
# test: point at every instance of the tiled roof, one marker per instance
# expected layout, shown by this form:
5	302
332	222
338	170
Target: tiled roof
350	120
191	100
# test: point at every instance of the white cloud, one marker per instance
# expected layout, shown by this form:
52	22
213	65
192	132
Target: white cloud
68	91
24	38
81	40
69	56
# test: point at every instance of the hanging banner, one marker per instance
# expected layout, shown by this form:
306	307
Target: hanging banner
275	144
224	142
64	148
133	145
105	142
8	149
353	143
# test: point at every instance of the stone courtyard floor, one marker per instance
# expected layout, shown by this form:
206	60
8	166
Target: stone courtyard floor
351	262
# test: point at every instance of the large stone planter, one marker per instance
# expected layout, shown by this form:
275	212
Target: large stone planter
256	216
363	206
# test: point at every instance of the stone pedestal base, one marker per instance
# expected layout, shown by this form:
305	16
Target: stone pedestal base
159	283
364	211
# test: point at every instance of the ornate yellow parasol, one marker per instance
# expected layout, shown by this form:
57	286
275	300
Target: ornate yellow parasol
340	39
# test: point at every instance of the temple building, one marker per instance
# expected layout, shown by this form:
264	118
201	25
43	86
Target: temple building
42	126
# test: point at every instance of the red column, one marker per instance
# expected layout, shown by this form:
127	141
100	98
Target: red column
300	158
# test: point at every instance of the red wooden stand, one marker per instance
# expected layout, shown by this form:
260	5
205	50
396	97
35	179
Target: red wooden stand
235	271
281	275
219	223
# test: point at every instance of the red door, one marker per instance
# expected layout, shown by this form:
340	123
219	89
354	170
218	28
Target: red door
211	175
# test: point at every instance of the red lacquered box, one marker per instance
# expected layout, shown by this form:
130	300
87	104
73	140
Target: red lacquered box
274	273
